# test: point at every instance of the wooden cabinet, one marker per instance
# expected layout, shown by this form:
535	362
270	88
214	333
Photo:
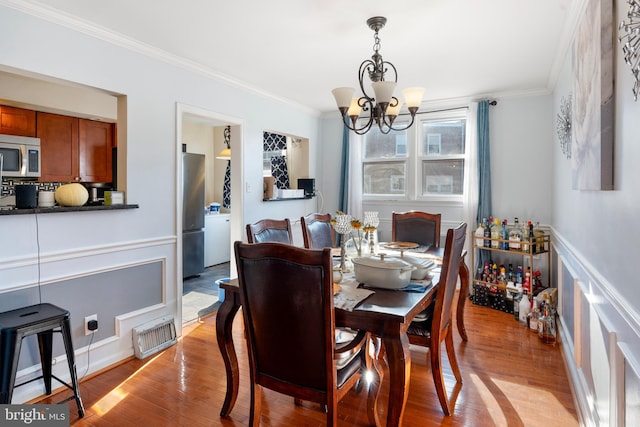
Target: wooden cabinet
17	121
95	145
74	149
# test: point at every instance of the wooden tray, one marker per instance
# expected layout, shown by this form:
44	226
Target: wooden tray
400	245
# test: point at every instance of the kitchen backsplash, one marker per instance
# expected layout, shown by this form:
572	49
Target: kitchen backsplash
8	186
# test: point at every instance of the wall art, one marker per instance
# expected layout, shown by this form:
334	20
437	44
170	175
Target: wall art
593	103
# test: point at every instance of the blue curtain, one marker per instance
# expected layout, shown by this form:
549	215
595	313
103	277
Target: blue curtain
484	173
343	203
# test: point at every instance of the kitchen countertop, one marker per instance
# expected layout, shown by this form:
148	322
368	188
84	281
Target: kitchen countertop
57	209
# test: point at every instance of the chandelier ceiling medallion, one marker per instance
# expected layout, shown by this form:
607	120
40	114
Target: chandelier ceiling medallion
383	108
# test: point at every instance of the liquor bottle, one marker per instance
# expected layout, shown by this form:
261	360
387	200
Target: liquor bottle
533	316
525	237
515	236
538	236
504	235
547	323
519	274
495	234
480	233
526	284
487	234
510	273
524	308
532	238
516	306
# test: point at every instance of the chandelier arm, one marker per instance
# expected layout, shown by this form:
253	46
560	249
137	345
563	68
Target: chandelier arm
390	127
364	68
395	72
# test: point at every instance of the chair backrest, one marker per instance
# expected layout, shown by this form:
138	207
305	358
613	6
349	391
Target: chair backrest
453	247
417	227
270	230
286	294
317	231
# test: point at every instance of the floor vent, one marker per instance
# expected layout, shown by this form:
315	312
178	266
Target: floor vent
153	336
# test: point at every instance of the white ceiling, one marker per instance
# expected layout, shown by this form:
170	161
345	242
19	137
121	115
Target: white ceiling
299	50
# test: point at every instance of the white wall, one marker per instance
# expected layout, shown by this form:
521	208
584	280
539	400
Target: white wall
77	245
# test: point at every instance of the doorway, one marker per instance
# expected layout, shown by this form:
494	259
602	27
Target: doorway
198	296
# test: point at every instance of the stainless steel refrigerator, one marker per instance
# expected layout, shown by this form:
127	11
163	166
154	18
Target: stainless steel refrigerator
192	214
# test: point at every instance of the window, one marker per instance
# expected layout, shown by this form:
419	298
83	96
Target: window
385	163
441	158
424	162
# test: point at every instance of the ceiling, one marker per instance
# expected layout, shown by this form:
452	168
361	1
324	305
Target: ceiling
298	51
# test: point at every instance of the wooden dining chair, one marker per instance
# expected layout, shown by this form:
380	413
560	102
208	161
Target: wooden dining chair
418	227
317	232
270	230
286	294
437	326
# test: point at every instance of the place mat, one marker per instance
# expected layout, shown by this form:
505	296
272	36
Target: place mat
350	295
413	286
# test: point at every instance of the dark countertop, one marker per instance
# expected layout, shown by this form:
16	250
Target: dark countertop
57	209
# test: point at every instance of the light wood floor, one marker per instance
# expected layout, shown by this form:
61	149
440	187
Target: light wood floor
510	379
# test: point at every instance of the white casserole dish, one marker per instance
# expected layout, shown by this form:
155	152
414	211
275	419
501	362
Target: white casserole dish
385	273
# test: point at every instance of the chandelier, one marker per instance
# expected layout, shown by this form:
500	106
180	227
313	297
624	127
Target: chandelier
383	108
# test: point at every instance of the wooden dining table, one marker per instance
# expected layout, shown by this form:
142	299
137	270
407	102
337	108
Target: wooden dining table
387	314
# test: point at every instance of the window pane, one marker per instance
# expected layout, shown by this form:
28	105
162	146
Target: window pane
442	177
379	145
384	178
443	138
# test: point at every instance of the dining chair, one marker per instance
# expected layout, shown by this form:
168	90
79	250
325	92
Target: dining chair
317	232
270	230
286	294
436	323
418	227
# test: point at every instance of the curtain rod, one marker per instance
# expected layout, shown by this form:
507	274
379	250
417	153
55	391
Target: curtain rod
493	102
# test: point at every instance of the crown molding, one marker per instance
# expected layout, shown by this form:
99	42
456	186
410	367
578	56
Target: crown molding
90	29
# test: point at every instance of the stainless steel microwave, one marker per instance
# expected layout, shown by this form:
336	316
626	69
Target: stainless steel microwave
19	156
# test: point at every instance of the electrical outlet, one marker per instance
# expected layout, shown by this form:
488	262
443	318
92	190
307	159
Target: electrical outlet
87	329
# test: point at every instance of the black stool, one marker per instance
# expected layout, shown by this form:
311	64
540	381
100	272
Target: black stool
41	319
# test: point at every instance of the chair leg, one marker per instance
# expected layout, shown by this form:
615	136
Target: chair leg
438	377
45	342
451	353
332	415
256	405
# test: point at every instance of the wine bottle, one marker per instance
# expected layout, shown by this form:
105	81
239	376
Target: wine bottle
504	244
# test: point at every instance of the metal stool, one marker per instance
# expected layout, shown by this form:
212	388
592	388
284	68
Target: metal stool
41	319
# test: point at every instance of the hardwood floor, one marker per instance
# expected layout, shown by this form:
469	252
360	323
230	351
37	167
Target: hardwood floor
510	378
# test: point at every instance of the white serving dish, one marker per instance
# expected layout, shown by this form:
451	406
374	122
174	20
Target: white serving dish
422	266
385	273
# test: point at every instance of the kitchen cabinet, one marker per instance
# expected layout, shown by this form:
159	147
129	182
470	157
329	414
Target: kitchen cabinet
74	149
217	239
17	121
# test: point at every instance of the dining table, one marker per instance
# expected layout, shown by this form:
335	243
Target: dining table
386	314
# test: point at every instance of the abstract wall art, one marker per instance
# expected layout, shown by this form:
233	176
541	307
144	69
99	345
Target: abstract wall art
593	106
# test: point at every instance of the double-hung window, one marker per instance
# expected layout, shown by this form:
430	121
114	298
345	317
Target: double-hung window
426	162
385	164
